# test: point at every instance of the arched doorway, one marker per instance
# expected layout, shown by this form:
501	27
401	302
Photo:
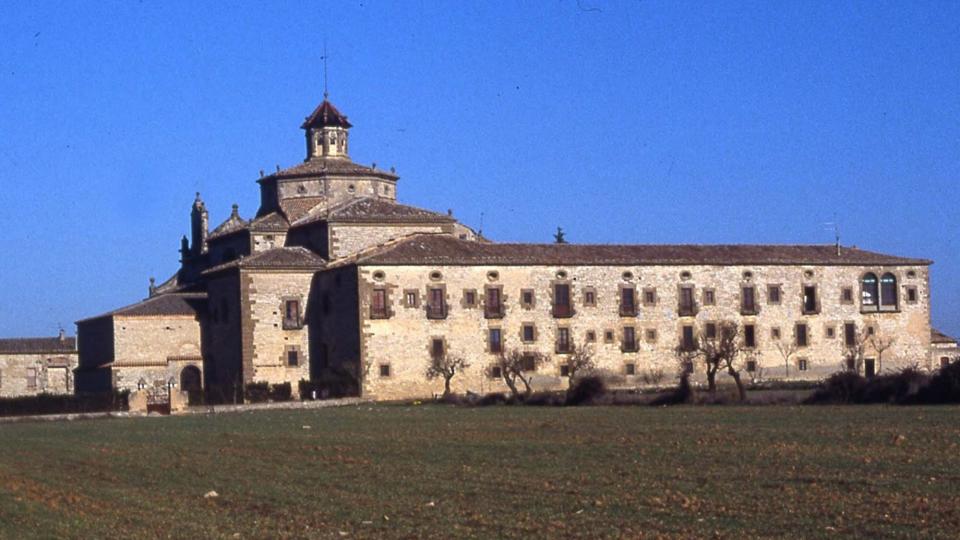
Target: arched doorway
191	382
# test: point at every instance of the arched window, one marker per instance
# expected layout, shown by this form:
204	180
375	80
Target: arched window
888	290
870	292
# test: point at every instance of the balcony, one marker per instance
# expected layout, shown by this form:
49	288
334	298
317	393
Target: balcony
379	313
562	311
687	310
493	312
629	346
564	347
749	308
436	311
628	310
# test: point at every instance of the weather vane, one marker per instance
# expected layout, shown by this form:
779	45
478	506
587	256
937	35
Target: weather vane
324	58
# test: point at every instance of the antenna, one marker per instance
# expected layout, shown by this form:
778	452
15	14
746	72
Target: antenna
324	58
480	229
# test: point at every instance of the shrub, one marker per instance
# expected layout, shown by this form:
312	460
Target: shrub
683	393
257	392
281	392
492	399
944	387
548	399
586	390
892	388
65	404
841	387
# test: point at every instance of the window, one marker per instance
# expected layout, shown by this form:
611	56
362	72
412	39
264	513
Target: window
291	314
687	307
849	334
749	336
888	291
830	332
563	340
630	369
846	295
751	366
871	330
944	361
687	342
773	294
293	358
436	303
561	301
651	335
494	372
688	366
411	299
709	297
802	364
470	298
810	303
801	334
591	336
869	291
528	333
495	340
378	304
650	296
775	333
564	370
436	348
493	307
608	336
628	304
710	330
748	301
384	370
911	294
589	298
31	378
629	339
526	298
528	363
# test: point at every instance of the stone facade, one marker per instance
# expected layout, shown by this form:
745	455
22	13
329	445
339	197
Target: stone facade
943	350
31	366
332	276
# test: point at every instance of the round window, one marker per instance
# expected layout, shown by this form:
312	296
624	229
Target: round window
493	275
628	275
379	275
436	276
561	274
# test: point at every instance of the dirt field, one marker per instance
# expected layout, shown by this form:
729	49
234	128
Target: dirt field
439	471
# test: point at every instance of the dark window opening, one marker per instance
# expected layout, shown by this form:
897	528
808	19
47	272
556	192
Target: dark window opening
748	301
293	358
436	304
496	343
378	304
709	297
630	369
801	333
870	290
563	340
436	348
687	342
888	291
849	334
710	330
529	332
528	363
291	314
384	370
629	339
749	335
628	304
810	299
493	307
751	366
561	301
687	307
773	294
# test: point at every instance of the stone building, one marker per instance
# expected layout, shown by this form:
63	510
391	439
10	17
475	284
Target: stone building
31	366
943	349
333	277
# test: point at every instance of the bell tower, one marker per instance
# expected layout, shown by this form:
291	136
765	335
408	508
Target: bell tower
327	132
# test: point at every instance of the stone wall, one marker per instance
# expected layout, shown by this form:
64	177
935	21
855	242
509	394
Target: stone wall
152	350
347	238
38	373
335	323
402	341
222	335
277	352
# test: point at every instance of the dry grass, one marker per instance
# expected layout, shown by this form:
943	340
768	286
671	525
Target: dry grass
441	471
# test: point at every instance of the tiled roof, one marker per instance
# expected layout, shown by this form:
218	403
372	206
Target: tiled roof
937	336
445	249
233	224
373	210
272	222
326	115
295	258
162	304
38	345
319	166
298	207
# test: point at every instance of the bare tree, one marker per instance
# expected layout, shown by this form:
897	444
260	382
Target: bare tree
579	361
718	353
881	343
786	349
515	365
446	366
855	350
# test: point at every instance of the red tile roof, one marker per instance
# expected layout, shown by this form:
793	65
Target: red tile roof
38	345
172	304
373	210
326	115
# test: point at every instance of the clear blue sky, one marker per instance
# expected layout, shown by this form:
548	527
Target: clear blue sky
642	121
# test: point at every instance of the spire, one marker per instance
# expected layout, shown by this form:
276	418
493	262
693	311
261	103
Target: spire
327	131
326	94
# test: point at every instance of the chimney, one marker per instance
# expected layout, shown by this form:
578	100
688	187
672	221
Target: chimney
63	336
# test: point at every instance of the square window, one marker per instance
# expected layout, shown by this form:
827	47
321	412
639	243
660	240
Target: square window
630	368
589	298
293	358
871	330
774	333
528	363
846	295
709	297
912	295
495	372
529	332
384	370
651	335
650	297
830	332
470	298
411	299
564	370
710	330
591	336
608	336
802	364
526	298
751	366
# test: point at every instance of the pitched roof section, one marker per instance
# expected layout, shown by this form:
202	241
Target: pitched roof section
937	336
446	249
298	207
283	258
272	222
326	115
319	166
172	304
373	210
233	224
38	345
